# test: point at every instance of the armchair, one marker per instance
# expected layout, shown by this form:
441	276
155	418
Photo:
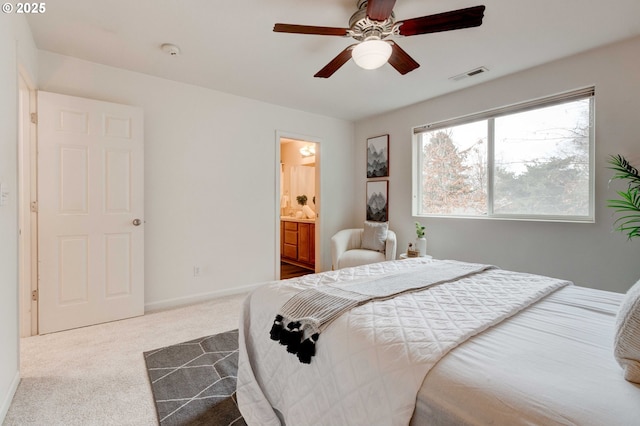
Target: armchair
347	249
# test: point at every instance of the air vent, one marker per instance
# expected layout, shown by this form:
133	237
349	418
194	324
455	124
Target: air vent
471	73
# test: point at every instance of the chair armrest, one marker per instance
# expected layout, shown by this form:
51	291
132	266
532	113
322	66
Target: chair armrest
342	241
391	245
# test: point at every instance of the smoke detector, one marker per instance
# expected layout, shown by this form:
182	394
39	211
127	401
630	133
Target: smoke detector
170	49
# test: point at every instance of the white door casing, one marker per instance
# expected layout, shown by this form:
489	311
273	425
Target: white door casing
90	192
27	218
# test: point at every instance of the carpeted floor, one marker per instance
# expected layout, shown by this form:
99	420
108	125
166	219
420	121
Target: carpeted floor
96	375
194	382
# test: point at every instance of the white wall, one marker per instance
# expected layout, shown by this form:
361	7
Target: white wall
589	254
210	175
16	47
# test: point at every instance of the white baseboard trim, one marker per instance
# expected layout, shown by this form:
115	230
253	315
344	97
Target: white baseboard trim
6	403
196	298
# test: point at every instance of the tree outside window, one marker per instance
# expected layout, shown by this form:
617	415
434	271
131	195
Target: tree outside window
530	163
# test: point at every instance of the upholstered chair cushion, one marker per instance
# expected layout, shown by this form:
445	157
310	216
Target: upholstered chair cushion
357	257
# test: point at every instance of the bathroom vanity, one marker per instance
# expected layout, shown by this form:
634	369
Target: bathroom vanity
298	241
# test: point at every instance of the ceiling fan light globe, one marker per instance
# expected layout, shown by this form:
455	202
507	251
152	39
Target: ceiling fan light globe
371	54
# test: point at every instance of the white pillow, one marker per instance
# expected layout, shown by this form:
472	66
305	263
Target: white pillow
374	236
627	341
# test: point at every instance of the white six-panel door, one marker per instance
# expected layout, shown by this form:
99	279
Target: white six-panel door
90	212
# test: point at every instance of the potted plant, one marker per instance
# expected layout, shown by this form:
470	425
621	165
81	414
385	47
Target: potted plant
302	200
629	202
421	241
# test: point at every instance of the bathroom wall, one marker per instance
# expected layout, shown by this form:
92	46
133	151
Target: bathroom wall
298	177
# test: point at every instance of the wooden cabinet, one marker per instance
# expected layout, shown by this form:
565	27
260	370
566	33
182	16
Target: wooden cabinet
289	238
298	243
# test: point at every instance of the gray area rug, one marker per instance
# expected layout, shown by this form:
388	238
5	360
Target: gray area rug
194	383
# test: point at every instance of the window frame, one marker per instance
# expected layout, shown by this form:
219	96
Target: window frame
490	116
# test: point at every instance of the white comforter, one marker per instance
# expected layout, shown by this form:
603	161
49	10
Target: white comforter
552	364
371	362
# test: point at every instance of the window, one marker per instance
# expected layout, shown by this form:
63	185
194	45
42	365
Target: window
528	161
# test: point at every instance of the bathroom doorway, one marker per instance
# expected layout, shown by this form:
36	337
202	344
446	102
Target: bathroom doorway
298	200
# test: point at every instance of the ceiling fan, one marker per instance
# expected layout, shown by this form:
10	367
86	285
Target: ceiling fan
374	24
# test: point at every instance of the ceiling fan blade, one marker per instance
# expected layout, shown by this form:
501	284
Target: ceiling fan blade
379	10
400	60
335	64
308	29
452	20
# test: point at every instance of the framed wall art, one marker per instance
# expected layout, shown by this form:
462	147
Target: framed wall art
378	156
378	200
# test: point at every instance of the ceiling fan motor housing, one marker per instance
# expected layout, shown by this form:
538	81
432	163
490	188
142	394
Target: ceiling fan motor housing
362	28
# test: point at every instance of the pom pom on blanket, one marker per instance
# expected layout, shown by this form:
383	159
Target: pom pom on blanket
276	328
308	349
290	332
295	337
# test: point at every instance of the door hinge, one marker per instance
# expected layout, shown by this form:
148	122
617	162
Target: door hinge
34	117
34	207
34	295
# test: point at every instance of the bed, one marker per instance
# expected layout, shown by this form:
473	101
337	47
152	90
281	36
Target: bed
547	359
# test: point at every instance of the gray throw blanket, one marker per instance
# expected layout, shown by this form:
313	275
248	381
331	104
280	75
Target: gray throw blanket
311	311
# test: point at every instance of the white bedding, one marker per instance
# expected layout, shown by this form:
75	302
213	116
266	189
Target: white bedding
367	372
550	364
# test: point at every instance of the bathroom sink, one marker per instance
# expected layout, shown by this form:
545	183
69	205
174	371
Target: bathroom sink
304	219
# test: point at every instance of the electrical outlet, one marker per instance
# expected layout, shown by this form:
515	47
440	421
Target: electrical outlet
196	271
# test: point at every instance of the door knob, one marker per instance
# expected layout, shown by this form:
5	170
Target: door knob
136	222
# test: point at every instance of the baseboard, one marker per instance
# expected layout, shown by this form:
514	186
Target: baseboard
6	403
195	298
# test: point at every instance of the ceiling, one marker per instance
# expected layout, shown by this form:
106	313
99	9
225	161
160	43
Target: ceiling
230	46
